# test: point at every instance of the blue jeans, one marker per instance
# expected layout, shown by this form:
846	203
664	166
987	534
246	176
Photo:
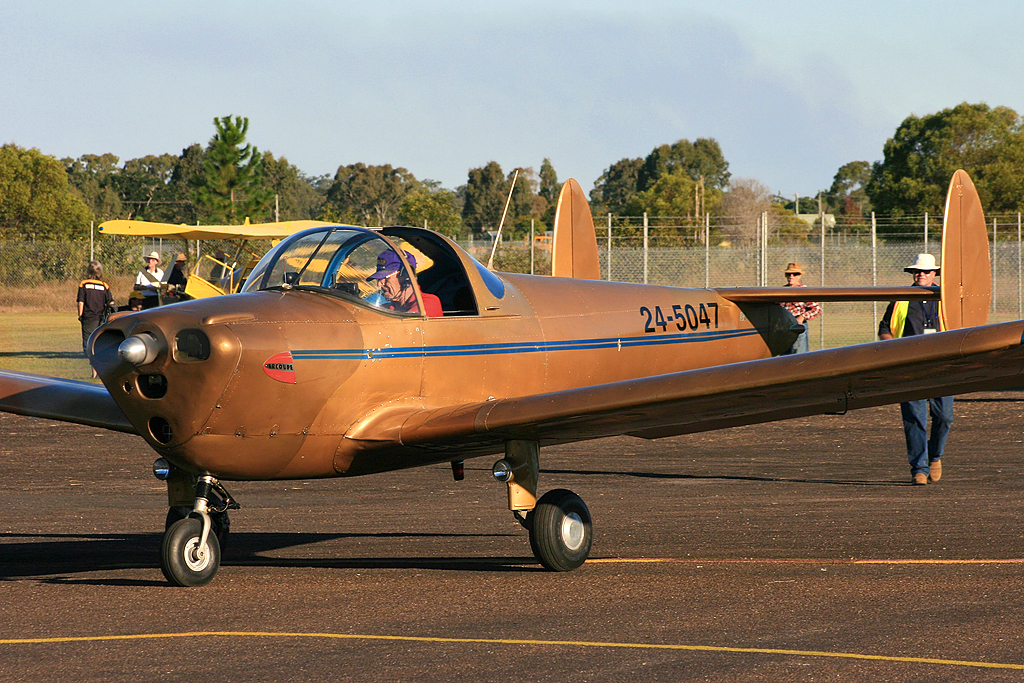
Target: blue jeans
922	450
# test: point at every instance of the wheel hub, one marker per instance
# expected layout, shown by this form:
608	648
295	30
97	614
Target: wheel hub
572	531
195	559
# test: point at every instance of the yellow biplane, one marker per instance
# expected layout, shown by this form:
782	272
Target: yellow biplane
213	276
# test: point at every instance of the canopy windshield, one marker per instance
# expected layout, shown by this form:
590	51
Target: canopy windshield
336	261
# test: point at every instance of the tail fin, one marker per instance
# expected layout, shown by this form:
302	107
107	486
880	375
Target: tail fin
574	250
966	278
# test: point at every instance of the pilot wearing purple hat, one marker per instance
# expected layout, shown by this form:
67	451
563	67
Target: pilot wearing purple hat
396	285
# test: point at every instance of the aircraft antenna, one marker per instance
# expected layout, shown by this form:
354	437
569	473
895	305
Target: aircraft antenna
490	261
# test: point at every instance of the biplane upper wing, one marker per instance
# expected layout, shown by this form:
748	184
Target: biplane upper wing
53	398
831	381
255	231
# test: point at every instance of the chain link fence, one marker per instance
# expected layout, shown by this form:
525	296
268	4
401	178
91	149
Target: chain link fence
720	253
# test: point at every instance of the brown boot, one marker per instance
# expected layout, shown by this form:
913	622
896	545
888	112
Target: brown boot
936	471
920	479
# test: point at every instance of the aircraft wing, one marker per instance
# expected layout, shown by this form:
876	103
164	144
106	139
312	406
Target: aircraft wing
259	231
23	393
829	381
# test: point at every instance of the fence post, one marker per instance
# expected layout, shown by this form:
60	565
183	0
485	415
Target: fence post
995	268
926	250
821	325
645	247
609	247
531	246
874	270
707	250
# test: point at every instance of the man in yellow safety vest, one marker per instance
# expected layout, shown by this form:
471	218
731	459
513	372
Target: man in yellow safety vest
904	319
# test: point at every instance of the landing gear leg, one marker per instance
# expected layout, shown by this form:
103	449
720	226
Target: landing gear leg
190	553
559	523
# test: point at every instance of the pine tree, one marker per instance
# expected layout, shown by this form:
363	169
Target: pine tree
232	188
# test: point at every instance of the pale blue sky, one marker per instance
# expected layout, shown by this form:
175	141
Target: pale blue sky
790	90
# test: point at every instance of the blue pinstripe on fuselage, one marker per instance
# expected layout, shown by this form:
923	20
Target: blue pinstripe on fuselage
510	348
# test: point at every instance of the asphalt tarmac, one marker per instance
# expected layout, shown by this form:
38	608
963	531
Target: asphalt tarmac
795	551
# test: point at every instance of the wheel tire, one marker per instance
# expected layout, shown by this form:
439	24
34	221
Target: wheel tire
179	559
219	521
560	531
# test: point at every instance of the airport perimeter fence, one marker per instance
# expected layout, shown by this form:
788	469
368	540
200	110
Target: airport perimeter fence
720	253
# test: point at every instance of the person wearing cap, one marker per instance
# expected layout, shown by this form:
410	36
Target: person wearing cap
905	319
148	280
801	310
396	286
178	276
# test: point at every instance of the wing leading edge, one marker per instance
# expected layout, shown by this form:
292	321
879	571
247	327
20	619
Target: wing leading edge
830	381
53	398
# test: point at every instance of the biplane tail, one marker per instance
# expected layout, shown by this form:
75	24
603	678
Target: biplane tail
574	248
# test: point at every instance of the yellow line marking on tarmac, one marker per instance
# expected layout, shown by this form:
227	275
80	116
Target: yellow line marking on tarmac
769	560
497	641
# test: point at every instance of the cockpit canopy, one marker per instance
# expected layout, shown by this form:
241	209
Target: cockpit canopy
342	260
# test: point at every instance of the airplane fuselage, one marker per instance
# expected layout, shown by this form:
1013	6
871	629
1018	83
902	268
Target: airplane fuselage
295	384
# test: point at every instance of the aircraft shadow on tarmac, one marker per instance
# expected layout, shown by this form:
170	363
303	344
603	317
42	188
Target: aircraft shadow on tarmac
44	555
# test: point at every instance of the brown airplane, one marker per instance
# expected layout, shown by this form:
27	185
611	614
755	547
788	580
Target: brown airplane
310	372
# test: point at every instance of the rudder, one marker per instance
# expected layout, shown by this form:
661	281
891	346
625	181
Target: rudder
574	248
965	284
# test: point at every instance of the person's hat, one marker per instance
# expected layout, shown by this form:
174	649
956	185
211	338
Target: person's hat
135	295
388	263
923	262
153	255
793	269
180	258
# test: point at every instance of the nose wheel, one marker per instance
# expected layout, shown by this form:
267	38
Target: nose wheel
560	530
191	549
186	560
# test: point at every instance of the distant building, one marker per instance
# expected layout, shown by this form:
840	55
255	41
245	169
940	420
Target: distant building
812	218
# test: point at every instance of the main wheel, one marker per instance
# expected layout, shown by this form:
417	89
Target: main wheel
560	530
180	559
220	523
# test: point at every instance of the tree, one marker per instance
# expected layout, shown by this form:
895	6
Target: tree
370	194
91	179
848	194
36	199
616	186
549	187
485	195
296	198
671	195
925	152
743	205
143	184
232	188
433	207
188	174
701	161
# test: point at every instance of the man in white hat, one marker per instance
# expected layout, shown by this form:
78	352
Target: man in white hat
904	319
148	281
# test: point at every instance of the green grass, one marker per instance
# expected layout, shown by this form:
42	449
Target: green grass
44	344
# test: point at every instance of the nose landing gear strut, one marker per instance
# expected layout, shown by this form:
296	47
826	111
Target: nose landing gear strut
190	553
